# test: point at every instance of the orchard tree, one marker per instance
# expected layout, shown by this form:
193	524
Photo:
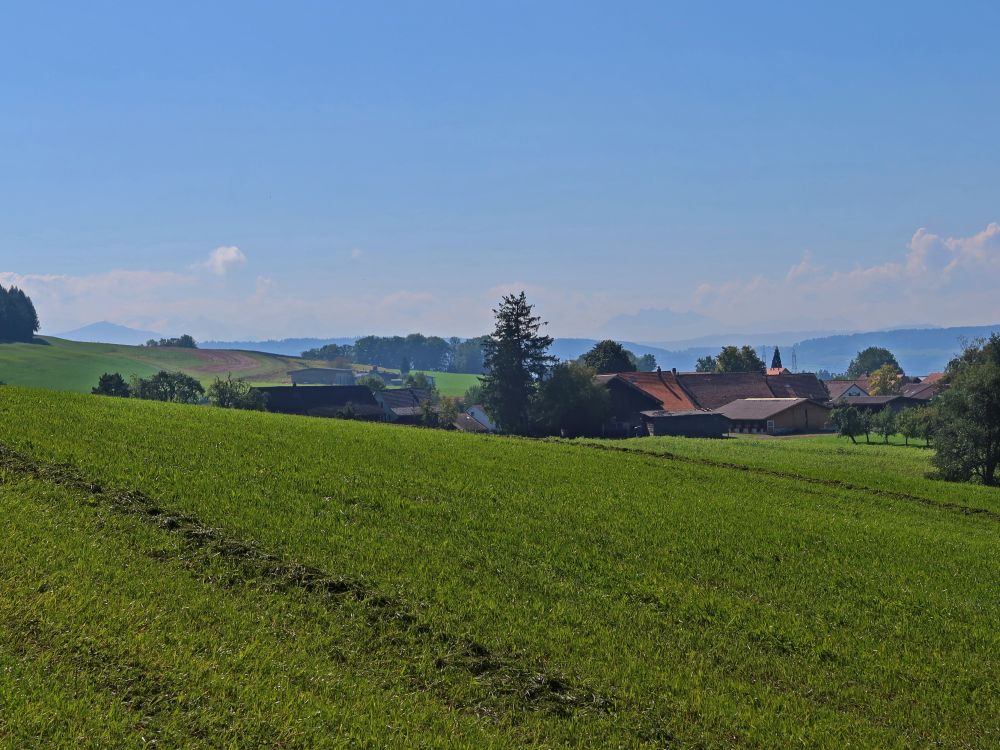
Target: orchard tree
967	428
884	381
869	360
849	421
516	357
609	356
883	422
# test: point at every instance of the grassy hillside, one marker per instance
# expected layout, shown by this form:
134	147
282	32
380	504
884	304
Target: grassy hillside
197	577
75	366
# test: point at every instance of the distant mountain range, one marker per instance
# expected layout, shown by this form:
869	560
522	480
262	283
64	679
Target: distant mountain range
109	333
919	350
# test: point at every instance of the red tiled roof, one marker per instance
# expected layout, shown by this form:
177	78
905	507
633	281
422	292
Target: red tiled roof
710	390
662	386
776	370
933	377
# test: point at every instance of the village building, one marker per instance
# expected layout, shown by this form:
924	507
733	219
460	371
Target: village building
404	405
846	388
478	413
465	422
322	376
341	401
776	416
632	393
693	423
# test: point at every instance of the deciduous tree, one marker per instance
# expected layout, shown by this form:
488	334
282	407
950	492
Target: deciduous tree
608	356
569	402
869	360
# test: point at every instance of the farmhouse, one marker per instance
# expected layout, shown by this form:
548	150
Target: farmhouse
322	376
403	405
344	401
642	402
846	388
776	416
923	391
632	393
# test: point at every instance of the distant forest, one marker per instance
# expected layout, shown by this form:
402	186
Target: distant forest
18	319
413	352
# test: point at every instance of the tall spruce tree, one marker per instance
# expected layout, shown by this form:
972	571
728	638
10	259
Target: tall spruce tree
776	359
515	358
18	319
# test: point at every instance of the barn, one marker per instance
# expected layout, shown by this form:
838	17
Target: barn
344	401
690	423
776	416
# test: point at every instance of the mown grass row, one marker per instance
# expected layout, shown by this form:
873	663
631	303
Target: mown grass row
700	605
891	468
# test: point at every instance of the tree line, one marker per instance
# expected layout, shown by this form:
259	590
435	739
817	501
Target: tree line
18	319
184	342
412	352
181	388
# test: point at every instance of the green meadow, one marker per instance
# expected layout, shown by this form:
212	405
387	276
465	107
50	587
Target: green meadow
75	366
191	577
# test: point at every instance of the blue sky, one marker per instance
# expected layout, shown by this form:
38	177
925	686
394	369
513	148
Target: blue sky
283	169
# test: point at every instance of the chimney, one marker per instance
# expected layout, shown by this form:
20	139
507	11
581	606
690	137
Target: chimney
673	370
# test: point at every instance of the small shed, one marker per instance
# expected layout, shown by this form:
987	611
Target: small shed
776	416
691	423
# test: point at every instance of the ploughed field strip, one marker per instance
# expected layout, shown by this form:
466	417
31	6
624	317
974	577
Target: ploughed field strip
305	582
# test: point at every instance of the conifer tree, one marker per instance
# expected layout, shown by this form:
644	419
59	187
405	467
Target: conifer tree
515	358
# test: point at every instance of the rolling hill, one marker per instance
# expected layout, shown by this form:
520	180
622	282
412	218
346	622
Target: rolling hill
76	366
193	577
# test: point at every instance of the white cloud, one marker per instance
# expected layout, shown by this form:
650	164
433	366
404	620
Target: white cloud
222	260
948	280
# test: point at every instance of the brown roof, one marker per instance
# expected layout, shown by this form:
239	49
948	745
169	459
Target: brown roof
661	386
932	378
759	409
776	370
797	385
710	390
923	391
838	388
467	423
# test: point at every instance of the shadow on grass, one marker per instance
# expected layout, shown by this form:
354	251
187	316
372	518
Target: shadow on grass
35	341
